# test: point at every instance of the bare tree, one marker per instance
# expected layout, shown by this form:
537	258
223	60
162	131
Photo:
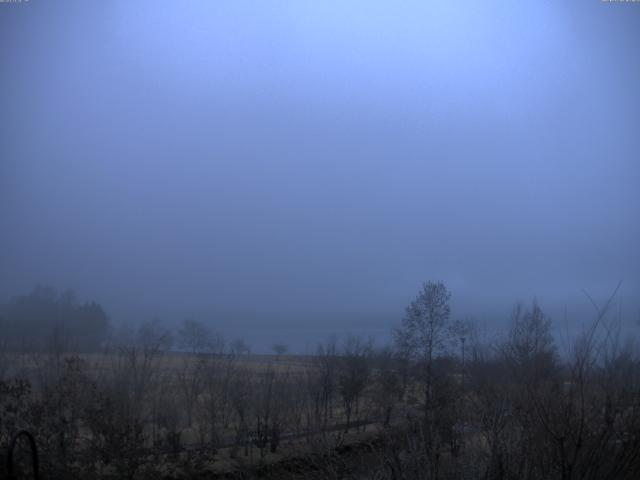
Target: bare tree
195	337
388	390
530	347
326	362
241	399
200	342
280	349
353	376
424	331
190	378
240	347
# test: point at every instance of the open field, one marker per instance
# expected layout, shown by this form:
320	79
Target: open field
141	411
440	403
228	409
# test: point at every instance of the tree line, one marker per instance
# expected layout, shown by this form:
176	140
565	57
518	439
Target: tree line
31	321
441	402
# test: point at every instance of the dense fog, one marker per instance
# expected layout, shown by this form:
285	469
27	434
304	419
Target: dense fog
325	240
286	170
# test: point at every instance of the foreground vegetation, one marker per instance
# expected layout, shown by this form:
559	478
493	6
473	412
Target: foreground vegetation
441	402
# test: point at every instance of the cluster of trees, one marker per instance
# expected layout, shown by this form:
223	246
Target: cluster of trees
29	322
439	403
517	409
140	409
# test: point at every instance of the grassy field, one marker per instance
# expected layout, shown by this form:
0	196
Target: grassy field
232	411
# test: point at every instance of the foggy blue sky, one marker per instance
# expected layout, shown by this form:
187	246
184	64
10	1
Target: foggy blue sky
307	165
